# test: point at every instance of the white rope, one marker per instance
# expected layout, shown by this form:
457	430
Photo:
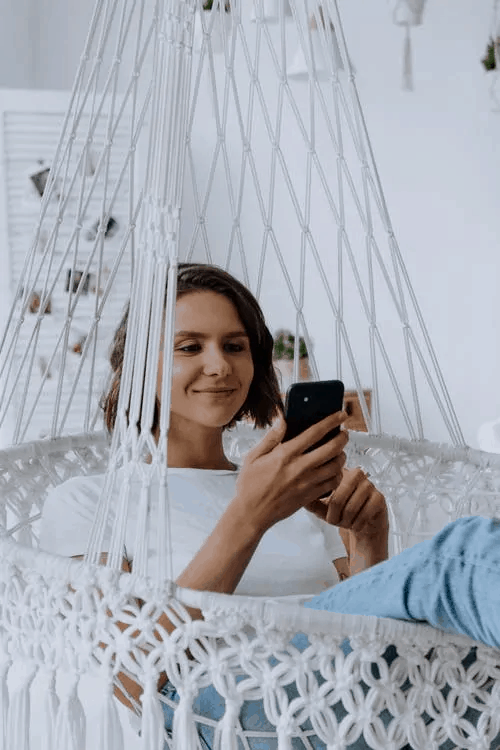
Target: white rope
239	633
138	75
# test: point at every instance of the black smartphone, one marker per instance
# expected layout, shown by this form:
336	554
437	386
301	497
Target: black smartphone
308	403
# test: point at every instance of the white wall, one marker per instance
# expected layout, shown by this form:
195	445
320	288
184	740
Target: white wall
61	39
438	151
438	155
18	43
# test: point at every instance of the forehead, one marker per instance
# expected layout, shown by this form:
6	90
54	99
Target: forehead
207	313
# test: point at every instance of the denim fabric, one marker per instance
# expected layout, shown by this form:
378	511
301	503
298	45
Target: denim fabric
451	582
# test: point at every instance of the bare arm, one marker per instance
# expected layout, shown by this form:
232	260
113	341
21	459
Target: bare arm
362	553
218	566
365	553
275	481
130	685
369	550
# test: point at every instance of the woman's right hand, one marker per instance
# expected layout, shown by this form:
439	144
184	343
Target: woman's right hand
276	479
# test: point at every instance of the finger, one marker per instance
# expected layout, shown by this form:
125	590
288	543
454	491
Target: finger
356	509
331	450
271	439
319	508
334	473
326	454
313	434
351	479
373	515
348	503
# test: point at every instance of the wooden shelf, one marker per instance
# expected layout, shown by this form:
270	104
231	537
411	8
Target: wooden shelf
352	406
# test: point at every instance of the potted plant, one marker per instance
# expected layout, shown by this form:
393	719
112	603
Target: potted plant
492	51
283	354
208	5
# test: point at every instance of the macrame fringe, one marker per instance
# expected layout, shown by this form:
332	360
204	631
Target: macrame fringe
284	740
153	722
18	720
110	732
70	722
50	707
407	62
185	735
225	731
4	703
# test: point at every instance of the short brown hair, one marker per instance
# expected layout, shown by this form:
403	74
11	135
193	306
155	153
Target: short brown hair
264	401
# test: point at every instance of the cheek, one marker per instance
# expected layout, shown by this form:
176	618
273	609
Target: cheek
178	373
180	376
251	370
159	376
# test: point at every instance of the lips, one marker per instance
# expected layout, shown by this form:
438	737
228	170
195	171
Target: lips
219	392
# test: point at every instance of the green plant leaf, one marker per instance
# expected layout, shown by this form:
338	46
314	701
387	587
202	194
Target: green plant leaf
489	60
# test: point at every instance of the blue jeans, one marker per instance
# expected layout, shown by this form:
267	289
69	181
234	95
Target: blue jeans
451	582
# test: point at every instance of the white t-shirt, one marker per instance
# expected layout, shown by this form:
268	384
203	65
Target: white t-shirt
294	557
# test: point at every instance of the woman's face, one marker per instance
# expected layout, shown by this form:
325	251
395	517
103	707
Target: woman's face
211	352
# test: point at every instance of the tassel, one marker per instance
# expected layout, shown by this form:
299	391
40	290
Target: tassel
284	739
70	722
4	704
50	708
185	735
153	723
110	732
407	63
18	720
225	732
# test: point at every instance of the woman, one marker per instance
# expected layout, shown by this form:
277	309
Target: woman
267	513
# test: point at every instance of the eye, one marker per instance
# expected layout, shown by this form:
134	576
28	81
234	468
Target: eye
234	347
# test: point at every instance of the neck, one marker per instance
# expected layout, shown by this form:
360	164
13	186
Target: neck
185	452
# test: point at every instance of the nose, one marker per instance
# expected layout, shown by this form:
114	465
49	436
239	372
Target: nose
216	361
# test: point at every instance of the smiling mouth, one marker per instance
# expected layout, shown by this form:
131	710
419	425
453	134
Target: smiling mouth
217	393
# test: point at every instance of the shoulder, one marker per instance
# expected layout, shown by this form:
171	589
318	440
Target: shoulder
78	492
68	514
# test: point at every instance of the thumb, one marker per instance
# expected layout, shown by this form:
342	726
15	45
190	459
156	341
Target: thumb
319	508
279	427
272	438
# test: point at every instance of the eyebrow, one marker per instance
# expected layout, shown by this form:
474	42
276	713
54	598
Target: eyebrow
197	334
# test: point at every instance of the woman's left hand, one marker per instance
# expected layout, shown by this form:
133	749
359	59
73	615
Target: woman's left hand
356	505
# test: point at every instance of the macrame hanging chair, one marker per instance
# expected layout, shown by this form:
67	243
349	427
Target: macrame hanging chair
226	162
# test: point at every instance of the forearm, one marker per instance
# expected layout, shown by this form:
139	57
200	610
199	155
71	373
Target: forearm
365	551
221	562
218	566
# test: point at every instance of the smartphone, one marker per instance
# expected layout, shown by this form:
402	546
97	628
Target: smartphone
308	403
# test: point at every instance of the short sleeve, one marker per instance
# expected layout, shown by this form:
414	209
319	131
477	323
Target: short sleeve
334	545
68	515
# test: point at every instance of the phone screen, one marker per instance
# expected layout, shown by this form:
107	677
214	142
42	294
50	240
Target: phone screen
308	403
